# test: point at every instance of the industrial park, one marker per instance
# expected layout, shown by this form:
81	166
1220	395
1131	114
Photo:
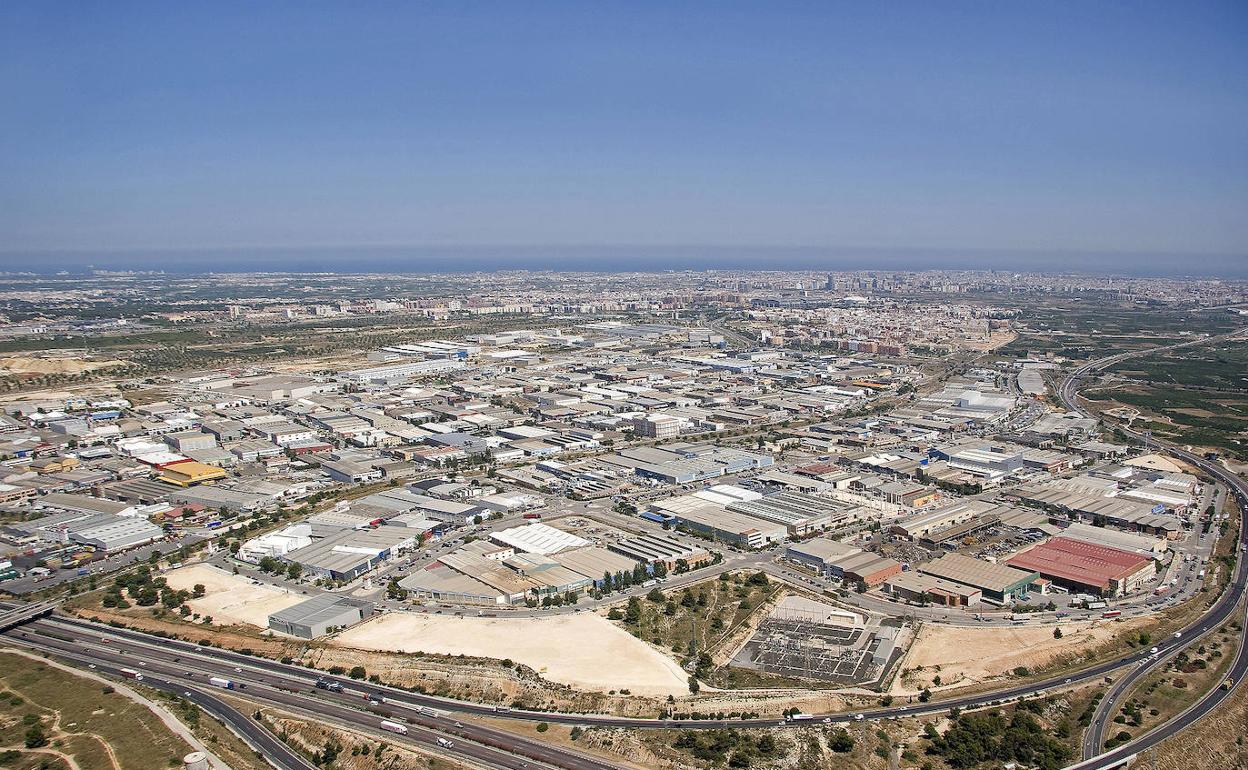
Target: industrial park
623	386
672	513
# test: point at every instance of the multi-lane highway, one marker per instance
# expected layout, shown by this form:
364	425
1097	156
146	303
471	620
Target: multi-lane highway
186	667
1229	604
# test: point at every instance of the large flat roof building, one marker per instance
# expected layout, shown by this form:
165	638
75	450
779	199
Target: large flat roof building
1087	566
319	615
996	581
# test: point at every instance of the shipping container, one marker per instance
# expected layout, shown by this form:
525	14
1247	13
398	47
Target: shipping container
218	681
394	727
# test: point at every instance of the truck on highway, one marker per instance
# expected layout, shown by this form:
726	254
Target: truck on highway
393	727
446	743
1228	683
432	712
800	717
220	681
130	673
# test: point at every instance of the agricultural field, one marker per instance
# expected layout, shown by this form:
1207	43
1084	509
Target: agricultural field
1080	331
1221	367
1214	420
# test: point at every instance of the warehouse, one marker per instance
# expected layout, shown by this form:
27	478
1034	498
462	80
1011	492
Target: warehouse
652	549
867	568
923	524
190	473
440	583
1145	545
723	524
538	538
594	562
276	544
114	533
1087	567
801	514
916	587
320	615
820	553
350	553
997	582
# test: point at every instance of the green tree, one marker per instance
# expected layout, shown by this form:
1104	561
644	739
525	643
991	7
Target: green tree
841	741
35	737
632	614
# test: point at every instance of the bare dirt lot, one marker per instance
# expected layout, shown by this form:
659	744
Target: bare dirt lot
583	651
230	598
32	365
967	655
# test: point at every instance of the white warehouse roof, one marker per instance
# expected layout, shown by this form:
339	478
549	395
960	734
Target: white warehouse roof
538	538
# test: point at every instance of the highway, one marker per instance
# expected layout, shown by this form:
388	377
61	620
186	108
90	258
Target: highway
1228	605
185	666
189	674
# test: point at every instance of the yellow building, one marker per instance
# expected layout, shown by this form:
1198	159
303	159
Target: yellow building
190	473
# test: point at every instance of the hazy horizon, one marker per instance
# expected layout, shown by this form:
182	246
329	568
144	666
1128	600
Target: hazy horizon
619	258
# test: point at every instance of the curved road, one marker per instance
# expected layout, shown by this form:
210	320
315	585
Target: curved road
292	686
1227	604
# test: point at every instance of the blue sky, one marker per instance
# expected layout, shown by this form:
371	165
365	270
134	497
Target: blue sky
1116	127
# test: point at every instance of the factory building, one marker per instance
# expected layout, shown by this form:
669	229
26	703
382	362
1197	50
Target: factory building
652	549
538	538
350	553
190	473
997	582
1145	545
923	524
915	586
716	521
1087	567
320	615
819	553
866	568
801	514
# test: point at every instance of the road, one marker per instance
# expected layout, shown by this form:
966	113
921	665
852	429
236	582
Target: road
188	674
183	664
1227	605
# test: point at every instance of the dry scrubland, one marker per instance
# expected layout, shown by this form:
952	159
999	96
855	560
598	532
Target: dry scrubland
347	750
902	744
83	726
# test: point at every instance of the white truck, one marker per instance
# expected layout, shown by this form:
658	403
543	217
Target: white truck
394	727
446	744
220	681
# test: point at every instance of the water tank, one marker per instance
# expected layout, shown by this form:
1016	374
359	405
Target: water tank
196	760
